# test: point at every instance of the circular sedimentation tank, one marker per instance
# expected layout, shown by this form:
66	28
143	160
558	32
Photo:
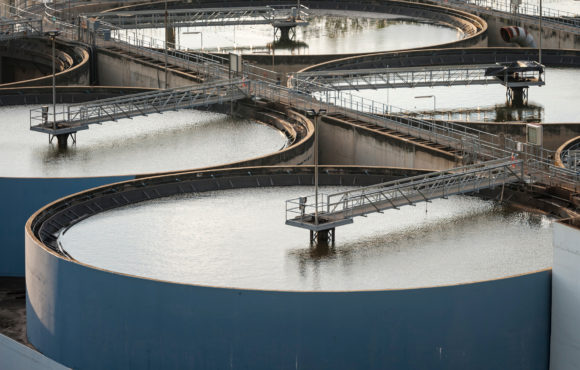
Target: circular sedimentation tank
327	32
238	239
172	141
228	284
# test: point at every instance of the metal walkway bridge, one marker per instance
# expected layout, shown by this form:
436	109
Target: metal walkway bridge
77	117
275	15
340	208
379	78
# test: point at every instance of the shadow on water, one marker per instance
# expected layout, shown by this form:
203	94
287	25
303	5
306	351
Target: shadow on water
287	45
55	152
493	113
437	231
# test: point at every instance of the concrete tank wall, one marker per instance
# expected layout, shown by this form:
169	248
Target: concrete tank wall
21	197
565	344
551	38
88	318
116	70
343	144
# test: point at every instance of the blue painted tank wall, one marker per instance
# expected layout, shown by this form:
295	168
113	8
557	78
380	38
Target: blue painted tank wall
20	198
86	318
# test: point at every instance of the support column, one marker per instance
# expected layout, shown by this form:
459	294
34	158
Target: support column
287	33
62	140
322	237
170	36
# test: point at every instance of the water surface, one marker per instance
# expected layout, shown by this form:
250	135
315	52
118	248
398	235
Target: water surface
554	102
237	238
176	140
328	32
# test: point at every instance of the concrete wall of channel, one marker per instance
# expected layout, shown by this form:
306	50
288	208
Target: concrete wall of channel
118	70
552	38
132	323
345	144
565	342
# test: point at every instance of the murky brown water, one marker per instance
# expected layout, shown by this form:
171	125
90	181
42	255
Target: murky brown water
237	238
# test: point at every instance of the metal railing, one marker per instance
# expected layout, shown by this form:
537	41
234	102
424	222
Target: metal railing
74	116
20	27
458	136
203	17
408	191
377	78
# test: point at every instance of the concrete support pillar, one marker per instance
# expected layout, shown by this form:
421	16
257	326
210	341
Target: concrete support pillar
170	36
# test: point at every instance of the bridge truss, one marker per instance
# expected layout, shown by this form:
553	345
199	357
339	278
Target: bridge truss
204	17
339	208
380	78
77	117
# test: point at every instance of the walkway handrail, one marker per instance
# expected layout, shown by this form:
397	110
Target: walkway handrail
201	17
111	109
375	198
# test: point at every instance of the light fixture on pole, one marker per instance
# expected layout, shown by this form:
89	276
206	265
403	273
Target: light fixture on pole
428	97
312	113
166	34
52	34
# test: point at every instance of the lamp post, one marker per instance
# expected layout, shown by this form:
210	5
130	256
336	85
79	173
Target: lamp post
52	34
540	44
428	97
166	34
312	113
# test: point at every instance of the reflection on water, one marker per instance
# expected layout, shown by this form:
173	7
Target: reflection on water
238	238
328	32
554	102
494	113
159	142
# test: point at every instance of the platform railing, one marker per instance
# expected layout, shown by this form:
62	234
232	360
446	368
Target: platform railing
112	109
202	17
408	191
399	77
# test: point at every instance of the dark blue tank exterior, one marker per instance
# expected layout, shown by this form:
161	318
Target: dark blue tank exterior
21	197
93	319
